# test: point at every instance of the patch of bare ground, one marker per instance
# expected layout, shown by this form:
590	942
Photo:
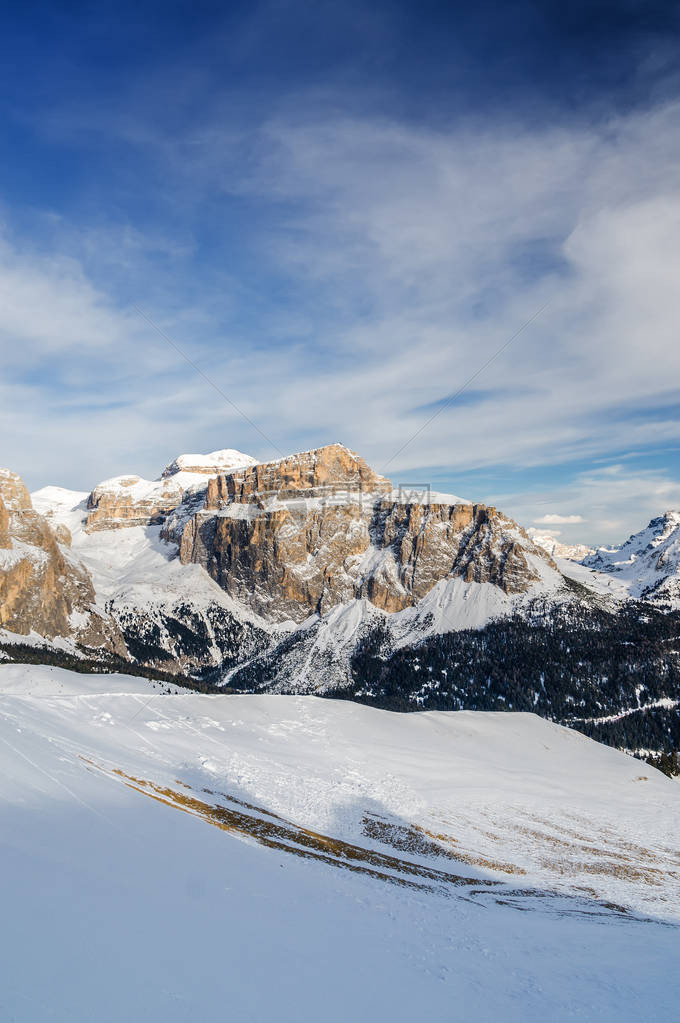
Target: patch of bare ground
611	868
420	842
247	820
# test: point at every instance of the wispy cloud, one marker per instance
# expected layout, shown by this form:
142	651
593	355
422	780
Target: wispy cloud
375	267
620	499
560	520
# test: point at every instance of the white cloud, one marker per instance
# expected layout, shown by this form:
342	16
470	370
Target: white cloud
560	520
412	255
415	223
620	500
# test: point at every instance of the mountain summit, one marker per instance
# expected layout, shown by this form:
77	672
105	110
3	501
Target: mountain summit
648	563
311	573
301	535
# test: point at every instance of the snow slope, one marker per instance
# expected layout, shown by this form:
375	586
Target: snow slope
145	875
196	470
139	572
648	563
556	549
132	566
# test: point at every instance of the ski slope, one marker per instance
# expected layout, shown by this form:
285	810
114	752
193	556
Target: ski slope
173	856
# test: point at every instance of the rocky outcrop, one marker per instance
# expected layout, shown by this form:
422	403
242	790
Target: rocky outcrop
131	501
647	565
5	540
125	501
13	492
301	535
329	472
431	542
42	589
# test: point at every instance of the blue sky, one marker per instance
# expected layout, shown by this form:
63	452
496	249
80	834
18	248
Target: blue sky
339	212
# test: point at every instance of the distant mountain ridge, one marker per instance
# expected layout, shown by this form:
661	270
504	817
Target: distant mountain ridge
283	576
557	549
648	563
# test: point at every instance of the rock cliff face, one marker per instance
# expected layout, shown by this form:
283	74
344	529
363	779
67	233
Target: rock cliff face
5	540
329	472
42	589
133	501
301	535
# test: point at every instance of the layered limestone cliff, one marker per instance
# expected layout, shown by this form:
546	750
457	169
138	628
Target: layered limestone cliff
332	472
301	535
5	540
42	588
133	501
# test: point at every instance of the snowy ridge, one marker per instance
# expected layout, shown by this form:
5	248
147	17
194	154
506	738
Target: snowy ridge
184	473
647	565
556	549
152	596
225	460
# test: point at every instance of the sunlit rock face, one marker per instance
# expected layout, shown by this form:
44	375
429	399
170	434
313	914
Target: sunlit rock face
329	472
131	501
42	589
125	501
301	535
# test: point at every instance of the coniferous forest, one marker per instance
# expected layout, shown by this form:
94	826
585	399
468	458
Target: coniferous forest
614	677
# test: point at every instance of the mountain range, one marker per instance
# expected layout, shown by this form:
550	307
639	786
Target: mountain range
312	574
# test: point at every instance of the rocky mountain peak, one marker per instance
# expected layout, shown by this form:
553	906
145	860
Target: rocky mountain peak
670	519
13	491
300	535
42	589
131	500
557	549
330	471
648	563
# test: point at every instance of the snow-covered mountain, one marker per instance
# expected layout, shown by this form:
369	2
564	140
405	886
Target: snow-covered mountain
173	856
166	615
310	574
133	501
648	563
221	557
44	589
557	549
